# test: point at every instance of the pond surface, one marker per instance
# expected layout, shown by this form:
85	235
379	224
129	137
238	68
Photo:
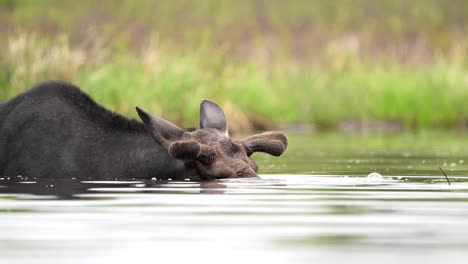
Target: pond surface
315	204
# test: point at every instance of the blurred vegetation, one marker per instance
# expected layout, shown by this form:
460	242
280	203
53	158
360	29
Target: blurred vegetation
266	62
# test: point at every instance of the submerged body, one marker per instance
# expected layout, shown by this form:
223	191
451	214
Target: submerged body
54	130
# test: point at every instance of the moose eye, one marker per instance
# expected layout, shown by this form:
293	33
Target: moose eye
234	146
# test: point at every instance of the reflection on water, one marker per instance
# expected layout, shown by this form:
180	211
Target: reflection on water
410	215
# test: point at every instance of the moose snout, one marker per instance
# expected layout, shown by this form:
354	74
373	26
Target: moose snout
243	173
246	173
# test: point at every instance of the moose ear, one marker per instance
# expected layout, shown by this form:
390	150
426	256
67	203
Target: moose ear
273	143
163	131
212	116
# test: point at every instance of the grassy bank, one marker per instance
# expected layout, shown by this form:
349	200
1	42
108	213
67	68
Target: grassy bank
264	63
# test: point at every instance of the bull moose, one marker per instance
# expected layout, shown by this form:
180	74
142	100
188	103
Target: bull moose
55	130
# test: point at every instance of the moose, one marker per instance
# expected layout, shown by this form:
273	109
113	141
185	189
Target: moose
55	130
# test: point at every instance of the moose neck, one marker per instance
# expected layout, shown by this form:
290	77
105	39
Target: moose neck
139	156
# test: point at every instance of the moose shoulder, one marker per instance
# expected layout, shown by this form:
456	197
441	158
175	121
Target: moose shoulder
54	130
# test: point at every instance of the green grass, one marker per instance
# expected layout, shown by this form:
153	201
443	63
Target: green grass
265	62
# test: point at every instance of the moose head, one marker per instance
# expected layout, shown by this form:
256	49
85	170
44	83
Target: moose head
209	151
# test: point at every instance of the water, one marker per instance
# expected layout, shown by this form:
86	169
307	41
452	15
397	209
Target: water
315	204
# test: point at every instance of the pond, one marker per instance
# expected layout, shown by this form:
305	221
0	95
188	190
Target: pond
314	204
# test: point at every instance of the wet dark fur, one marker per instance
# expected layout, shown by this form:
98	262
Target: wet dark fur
56	130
